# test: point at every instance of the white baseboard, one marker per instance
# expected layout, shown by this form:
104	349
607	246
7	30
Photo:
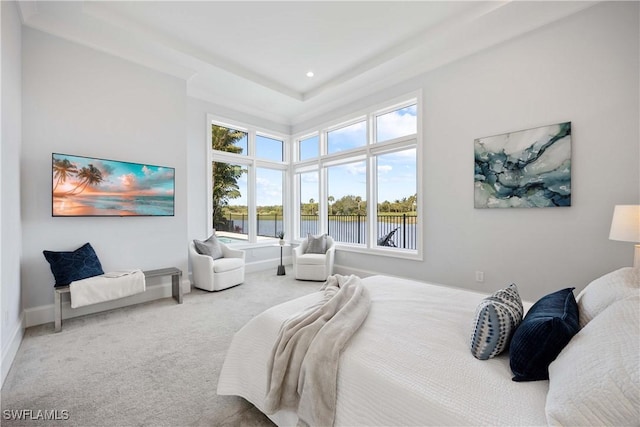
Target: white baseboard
256	266
44	313
9	353
339	269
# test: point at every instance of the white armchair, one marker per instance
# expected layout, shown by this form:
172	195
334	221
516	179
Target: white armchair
313	266
219	274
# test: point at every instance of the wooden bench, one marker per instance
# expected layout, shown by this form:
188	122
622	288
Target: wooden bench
176	291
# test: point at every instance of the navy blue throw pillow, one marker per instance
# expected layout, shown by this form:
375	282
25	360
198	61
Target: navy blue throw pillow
545	330
70	266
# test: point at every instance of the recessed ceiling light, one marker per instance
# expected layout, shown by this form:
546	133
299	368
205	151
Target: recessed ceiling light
309	73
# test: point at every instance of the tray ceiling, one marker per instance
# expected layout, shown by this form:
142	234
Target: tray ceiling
253	56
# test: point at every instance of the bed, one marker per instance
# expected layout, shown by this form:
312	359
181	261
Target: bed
409	363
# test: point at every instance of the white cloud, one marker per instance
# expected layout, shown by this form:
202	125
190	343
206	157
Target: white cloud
394	125
310	178
356	169
269	192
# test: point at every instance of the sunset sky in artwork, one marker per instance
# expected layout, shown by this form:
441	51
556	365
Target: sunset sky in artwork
118	178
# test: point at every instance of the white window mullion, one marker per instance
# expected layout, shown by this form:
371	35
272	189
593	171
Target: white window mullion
209	169
372	203
323	210
251	202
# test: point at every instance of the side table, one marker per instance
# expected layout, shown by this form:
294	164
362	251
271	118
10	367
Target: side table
281	270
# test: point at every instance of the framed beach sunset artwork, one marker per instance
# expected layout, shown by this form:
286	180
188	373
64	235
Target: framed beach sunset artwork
86	186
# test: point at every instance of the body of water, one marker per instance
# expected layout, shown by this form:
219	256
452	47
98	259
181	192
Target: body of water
348	231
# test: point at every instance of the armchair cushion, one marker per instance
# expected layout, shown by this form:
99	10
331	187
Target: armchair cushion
227	264
316	244
311	259
210	247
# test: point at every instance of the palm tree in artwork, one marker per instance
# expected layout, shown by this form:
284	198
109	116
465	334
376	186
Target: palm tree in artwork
89	175
62	169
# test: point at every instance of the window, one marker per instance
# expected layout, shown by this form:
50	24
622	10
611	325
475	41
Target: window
247	182
229	140
397	123
347	137
309	198
229	209
269	218
346	203
309	148
398	199
269	148
363	188
357	179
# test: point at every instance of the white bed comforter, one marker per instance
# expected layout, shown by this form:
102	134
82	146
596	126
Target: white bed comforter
408	364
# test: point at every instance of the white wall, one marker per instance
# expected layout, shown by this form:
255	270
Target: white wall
10	228
583	69
79	101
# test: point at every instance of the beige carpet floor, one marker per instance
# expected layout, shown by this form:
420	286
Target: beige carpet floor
152	364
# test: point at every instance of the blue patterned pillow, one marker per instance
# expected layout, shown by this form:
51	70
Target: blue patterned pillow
70	266
496	319
546	329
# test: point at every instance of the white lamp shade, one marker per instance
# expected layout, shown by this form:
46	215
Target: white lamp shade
625	225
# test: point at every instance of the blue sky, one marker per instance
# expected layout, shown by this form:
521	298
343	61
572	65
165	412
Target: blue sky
122	177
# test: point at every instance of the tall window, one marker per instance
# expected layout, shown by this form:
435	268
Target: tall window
397	195
366	177
269	216
309	197
229	207
248	172
347	202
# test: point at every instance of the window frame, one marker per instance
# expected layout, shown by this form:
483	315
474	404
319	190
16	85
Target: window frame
252	162
369	151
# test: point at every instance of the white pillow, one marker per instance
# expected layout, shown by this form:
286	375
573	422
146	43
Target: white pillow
606	290
596	378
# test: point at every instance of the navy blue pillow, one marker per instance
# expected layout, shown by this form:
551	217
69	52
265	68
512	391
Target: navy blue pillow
545	330
69	266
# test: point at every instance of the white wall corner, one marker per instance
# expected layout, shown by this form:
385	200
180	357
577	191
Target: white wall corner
9	353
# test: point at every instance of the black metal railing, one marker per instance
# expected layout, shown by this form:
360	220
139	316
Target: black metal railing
398	230
269	225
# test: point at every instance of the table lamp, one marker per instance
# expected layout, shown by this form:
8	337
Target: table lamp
625	226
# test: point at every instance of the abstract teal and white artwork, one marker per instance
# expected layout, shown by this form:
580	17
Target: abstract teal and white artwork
524	169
